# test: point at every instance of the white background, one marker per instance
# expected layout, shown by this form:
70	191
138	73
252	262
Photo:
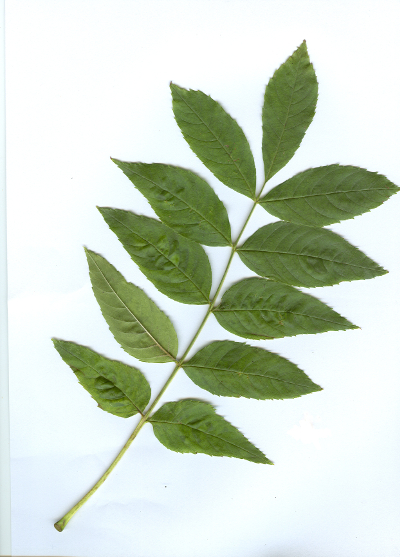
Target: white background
87	80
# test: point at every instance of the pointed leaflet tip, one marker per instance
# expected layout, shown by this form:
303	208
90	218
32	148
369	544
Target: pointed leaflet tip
116	161
101	210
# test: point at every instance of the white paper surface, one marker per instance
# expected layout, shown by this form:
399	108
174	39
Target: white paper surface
87	80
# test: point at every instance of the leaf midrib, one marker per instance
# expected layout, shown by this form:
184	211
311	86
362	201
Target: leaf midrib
265	200
205	433
306	255
235	310
220	142
130	312
213	369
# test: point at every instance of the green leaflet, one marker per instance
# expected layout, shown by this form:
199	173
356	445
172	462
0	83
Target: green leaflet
182	200
216	138
192	426
137	324
228	368
177	266
289	107
305	256
117	388
259	309
328	194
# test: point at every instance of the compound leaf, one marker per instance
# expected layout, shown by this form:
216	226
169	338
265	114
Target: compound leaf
192	426
228	368
328	194
177	266
289	107
117	388
182	200
260	309
216	138
136	322
304	256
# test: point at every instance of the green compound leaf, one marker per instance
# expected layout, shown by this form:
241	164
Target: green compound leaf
305	256
228	368
216	138
328	194
289	107
136	322
192	426
117	388
260	309
182	200
177	266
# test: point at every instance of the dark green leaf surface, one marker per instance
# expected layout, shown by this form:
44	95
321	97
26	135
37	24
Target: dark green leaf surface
259	309
216	138
305	256
137	324
177	266
192	426
229	368
289	107
328	194
117	388
182	200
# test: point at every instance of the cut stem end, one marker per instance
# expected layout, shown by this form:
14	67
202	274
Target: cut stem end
60	525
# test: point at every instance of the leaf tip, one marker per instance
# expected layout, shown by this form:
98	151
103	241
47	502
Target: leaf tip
88	253
118	162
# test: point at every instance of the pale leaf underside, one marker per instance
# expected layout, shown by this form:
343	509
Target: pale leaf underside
228	368
192	426
117	388
260	309
305	256
136	322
